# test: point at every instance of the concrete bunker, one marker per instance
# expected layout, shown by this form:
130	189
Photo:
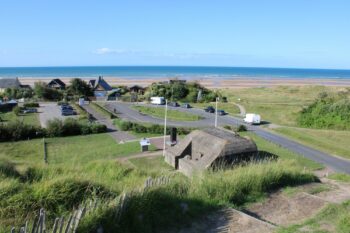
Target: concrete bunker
206	148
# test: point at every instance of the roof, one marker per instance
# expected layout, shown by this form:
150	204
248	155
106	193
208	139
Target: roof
102	83
9	82
136	87
223	134
57	81
92	83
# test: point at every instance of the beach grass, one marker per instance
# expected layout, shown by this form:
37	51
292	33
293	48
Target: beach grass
173	115
279	105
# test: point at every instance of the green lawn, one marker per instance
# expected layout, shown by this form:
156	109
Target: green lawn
173	115
282	153
28	118
279	105
331	141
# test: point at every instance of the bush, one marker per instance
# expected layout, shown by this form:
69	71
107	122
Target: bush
242	128
19	131
154	129
31	105
17	110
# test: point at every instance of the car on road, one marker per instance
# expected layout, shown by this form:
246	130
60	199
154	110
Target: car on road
222	113
66	107
209	109
186	105
68	112
30	110
174	104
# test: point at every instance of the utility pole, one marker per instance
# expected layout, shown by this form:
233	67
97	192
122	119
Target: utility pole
216	112
165	116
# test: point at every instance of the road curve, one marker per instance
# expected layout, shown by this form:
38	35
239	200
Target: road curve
335	163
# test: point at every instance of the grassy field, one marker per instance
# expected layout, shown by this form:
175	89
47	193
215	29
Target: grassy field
331	141
279	105
173	115
283	154
334	218
29	118
85	167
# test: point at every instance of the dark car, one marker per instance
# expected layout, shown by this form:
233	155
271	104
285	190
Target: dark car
173	104
221	112
68	113
66	107
210	109
186	105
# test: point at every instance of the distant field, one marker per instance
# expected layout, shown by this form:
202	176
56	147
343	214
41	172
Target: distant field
173	115
331	141
29	118
279	105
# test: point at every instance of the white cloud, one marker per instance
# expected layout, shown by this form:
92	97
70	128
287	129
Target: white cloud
102	51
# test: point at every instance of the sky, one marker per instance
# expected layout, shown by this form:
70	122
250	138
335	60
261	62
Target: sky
252	33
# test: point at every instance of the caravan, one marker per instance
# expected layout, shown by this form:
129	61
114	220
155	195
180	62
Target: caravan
157	100
252	118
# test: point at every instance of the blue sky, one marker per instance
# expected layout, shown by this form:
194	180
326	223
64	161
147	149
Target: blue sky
257	33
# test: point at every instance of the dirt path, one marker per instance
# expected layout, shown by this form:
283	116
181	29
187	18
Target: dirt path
279	209
242	110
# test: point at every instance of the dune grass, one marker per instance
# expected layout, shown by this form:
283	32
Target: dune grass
173	115
340	177
279	105
331	141
85	167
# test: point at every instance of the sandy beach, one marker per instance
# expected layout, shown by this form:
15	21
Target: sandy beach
243	82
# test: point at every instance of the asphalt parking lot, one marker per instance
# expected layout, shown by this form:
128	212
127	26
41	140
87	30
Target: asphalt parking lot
49	111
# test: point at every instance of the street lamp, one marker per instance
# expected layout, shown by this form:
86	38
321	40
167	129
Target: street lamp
165	116
216	111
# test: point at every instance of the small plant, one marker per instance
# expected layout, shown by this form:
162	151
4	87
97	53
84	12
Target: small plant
242	128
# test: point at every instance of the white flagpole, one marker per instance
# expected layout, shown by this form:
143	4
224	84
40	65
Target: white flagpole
165	116
216	112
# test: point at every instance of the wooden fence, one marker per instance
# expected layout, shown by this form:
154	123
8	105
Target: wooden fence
71	223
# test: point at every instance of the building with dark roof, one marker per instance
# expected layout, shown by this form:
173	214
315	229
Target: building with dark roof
101	88
57	84
137	89
9	83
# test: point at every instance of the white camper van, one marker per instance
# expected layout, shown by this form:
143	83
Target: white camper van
252	118
157	100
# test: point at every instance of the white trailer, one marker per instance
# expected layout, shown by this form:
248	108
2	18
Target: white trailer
252	118
157	100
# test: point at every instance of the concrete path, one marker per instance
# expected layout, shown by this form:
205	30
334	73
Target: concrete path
335	163
50	111
119	136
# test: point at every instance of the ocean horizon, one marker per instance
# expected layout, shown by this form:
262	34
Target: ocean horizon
185	72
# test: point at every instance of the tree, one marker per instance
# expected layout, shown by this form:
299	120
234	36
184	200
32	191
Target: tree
80	87
42	91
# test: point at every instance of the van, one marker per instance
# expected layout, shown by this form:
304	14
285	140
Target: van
252	118
157	100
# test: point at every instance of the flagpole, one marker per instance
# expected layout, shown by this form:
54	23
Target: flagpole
165	116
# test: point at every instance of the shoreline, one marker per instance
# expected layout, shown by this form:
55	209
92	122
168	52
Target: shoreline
238	82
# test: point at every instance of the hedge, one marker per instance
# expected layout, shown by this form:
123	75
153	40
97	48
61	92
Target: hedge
156	129
14	131
31	105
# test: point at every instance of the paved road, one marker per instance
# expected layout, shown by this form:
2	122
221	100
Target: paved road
50	111
119	136
335	163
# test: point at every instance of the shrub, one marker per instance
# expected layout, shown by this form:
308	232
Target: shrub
242	128
31	105
17	130
17	110
54	128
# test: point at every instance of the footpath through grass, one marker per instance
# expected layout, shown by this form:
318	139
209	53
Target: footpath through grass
330	141
334	218
173	115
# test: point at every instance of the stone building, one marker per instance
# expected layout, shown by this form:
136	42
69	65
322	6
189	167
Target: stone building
206	148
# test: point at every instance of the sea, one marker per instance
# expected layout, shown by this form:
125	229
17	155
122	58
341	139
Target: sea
185	72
